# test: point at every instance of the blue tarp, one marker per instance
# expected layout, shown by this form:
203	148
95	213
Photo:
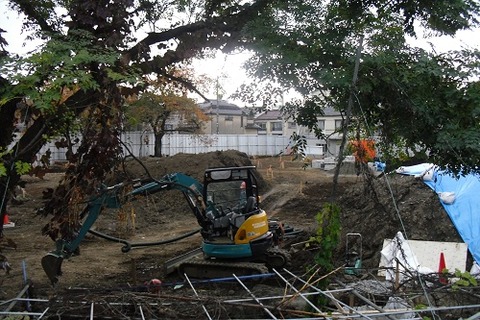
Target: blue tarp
460	196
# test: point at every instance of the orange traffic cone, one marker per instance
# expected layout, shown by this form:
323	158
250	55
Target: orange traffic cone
442	266
6	222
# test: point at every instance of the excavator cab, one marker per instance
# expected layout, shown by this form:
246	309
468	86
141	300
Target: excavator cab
240	228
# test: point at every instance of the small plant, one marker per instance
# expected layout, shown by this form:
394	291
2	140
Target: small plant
326	240
465	279
328	235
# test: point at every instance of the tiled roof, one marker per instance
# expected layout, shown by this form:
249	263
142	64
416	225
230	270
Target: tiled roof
270	115
277	114
221	107
329	111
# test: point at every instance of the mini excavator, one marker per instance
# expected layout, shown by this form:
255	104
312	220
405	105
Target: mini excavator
236	233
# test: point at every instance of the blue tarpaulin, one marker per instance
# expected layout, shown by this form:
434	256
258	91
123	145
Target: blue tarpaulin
460	196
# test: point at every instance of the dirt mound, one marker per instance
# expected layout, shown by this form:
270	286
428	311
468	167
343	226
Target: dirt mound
161	208
392	203
192	165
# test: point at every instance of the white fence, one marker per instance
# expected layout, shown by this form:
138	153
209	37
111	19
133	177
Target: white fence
142	145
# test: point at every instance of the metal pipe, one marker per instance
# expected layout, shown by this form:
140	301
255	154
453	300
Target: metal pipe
253	296
368	302
141	312
325	294
196	294
91	310
297	292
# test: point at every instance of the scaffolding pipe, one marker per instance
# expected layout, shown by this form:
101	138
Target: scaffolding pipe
91	311
43	313
399	312
141	312
269	298
368	302
23	299
196	294
297	292
22	292
324	293
253	296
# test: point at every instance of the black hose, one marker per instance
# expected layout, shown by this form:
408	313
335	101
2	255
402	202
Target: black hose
128	245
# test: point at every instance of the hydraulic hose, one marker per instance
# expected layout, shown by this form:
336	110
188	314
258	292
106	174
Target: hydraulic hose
128	245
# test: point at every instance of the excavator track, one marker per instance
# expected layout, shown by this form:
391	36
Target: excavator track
208	269
197	267
278	258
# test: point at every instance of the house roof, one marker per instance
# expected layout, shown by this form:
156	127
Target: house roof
221	107
270	115
329	111
253	126
277	114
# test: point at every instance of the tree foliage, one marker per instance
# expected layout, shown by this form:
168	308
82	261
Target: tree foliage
413	101
97	53
158	110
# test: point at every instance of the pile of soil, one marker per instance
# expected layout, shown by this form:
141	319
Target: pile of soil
380	207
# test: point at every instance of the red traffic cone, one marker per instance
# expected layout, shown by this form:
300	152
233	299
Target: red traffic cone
6	221
441	267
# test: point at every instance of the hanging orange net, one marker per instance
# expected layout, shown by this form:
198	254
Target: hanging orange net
363	150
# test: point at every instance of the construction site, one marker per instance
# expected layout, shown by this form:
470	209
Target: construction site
390	226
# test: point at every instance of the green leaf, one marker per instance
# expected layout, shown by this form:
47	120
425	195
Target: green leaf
22	167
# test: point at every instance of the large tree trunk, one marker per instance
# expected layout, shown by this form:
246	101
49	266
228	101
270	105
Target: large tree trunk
158	144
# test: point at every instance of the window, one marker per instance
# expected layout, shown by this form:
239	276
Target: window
338	124
321	124
228	118
292	125
262	125
276	126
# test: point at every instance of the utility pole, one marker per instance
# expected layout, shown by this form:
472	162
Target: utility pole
217	106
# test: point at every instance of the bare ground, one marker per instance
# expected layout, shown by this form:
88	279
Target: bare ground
291	193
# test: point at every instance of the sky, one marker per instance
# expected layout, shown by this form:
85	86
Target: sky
227	68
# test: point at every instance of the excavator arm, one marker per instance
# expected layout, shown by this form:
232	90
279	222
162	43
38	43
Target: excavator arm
114	197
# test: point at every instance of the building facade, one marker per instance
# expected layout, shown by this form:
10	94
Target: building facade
226	118
273	122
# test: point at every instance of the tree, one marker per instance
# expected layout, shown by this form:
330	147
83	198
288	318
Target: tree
92	60
415	101
157	109
92	52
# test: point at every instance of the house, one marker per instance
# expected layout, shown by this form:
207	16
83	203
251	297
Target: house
273	122
226	118
331	125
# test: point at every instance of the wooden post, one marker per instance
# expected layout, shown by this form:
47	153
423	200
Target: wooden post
270	172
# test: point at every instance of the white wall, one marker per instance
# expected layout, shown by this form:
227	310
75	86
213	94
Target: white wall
141	144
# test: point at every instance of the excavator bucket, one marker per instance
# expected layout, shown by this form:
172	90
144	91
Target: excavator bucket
52	265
